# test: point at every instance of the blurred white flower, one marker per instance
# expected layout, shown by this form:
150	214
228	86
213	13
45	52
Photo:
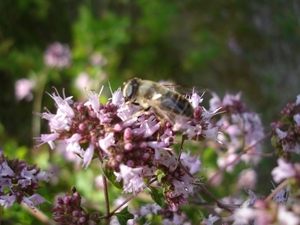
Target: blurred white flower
23	89
57	55
247	178
97	59
83	81
283	170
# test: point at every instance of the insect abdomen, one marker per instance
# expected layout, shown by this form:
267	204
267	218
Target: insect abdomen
177	104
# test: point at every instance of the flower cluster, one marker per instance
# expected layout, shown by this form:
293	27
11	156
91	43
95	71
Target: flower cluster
69	211
264	212
19	182
241	130
57	55
134	144
286	130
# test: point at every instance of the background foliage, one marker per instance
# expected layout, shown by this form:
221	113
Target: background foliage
253	46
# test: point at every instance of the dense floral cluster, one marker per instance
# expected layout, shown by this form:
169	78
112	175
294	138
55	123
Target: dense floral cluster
137	148
68	211
19	182
242	131
132	143
286	130
266	212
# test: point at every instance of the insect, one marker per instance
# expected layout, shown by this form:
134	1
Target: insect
161	99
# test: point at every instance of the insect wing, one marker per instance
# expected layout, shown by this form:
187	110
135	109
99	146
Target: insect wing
172	102
161	112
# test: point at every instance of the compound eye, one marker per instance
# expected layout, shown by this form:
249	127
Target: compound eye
129	91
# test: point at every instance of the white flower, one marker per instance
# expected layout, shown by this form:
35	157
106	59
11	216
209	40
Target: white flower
210	220
83	81
297	119
244	215
94	100
147	127
191	162
106	142
73	144
283	170
247	178
281	134
195	100
88	155
286	217
132	182
298	100
23	89
62	120
33	200
149	208
49	138
7	201
117	97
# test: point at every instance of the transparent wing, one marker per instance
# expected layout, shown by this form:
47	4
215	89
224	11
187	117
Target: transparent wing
161	113
185	90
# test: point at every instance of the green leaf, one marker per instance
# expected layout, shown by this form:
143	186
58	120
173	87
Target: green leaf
112	178
124	216
158	196
160	175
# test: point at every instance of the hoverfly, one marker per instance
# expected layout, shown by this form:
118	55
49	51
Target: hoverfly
161	99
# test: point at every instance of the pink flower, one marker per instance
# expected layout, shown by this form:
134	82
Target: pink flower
210	220
19	182
281	134
247	178
297	100
34	200
283	171
117	97
148	127
106	142
48	138
6	170
150	209
73	144
195	100
191	162
7	201
132	181
244	215
88	155
286	129
62	120
297	119
97	59
83	81
23	89
57	55
286	217
94	101
228	161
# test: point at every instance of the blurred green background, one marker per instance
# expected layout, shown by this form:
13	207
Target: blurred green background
236	45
